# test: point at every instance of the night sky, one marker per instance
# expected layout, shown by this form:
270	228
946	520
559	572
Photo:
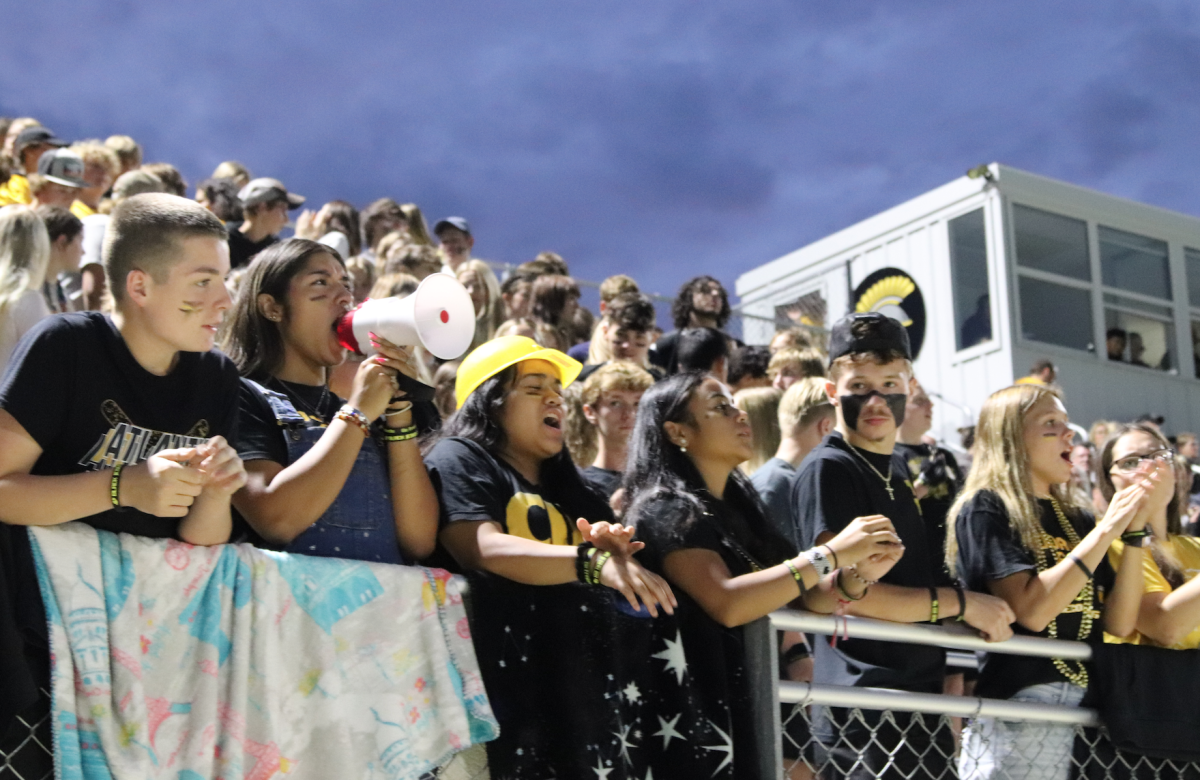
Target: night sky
656	139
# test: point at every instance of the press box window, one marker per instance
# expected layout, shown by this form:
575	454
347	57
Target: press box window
1051	243
969	280
1134	263
1138	333
1055	314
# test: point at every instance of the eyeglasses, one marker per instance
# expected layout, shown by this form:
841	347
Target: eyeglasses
1132	462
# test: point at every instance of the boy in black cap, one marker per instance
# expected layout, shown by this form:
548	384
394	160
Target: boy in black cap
854	473
265	206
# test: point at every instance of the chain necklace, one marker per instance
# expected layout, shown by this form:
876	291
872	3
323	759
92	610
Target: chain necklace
1083	603
316	415
887	481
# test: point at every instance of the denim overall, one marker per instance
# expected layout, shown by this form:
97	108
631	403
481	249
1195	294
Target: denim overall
360	523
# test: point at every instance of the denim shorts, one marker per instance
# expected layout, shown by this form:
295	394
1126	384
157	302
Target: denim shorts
1013	750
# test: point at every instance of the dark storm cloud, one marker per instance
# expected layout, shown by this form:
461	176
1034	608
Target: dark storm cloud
660	140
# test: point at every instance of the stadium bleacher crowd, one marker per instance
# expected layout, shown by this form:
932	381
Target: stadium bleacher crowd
621	500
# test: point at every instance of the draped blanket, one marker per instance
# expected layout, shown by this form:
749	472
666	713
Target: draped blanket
182	663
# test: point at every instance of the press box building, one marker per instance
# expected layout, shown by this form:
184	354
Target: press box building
1000	268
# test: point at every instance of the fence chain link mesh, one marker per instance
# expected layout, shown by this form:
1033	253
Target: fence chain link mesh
908	746
26	751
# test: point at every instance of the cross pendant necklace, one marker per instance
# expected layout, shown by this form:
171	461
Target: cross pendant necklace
887	481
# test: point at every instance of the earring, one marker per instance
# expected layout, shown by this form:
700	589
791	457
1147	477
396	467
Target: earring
683	446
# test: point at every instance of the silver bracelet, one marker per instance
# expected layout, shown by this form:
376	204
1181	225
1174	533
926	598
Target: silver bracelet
819	561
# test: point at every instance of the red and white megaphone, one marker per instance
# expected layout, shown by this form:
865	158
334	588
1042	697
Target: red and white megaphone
438	316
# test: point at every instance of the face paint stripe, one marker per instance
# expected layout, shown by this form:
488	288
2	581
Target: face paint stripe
852	406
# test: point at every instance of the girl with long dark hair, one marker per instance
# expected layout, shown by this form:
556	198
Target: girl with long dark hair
705	529
551	644
1018	534
327	477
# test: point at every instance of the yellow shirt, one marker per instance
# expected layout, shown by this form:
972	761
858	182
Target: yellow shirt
1186	550
1029	380
15	190
81	209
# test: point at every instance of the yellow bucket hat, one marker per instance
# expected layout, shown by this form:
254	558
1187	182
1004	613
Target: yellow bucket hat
492	357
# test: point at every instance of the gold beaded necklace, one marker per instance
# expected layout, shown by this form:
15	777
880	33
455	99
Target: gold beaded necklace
1082	603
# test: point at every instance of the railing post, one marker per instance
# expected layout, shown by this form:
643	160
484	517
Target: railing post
762	676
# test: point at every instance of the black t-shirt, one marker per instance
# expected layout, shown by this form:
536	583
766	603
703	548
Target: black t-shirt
260	436
989	548
77	390
833	486
942	479
242	250
715	654
605	480
473	485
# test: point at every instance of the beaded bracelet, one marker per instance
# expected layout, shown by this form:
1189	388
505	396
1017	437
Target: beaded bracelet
933	604
354	417
114	486
819	561
854	573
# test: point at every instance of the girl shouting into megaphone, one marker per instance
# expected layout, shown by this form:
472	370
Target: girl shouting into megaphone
326	477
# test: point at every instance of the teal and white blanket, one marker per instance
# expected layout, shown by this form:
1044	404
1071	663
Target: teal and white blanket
175	662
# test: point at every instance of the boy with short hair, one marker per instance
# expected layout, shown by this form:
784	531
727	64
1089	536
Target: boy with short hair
610	399
131	412
121	423
791	364
805	418
855	472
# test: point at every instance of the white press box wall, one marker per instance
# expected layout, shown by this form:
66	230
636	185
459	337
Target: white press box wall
913	237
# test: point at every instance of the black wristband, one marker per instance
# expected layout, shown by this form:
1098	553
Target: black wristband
1073	558
1134	536
581	561
961	592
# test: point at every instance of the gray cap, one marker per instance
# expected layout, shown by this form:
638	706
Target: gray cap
62	166
454	222
137	182
264	190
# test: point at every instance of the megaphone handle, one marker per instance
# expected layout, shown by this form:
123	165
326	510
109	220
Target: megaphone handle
415	390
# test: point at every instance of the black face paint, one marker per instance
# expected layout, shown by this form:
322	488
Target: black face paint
852	406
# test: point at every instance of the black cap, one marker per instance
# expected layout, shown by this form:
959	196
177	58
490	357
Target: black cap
454	222
36	135
885	334
1157	419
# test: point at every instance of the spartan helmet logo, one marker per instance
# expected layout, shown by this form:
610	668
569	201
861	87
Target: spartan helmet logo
887	296
894	294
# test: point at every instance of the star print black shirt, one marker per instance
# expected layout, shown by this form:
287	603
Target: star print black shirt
832	486
989	548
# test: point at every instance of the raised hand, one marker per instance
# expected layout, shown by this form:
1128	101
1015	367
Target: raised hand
615	538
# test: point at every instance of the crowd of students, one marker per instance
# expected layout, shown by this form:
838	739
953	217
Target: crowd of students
623	501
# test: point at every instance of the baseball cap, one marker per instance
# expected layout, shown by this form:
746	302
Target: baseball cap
492	357
36	135
454	222
265	189
62	166
883	335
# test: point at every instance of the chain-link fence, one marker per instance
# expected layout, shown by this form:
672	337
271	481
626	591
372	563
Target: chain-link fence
26	751
831	731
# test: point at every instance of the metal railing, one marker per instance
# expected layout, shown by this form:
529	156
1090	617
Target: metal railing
26	751
941	716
